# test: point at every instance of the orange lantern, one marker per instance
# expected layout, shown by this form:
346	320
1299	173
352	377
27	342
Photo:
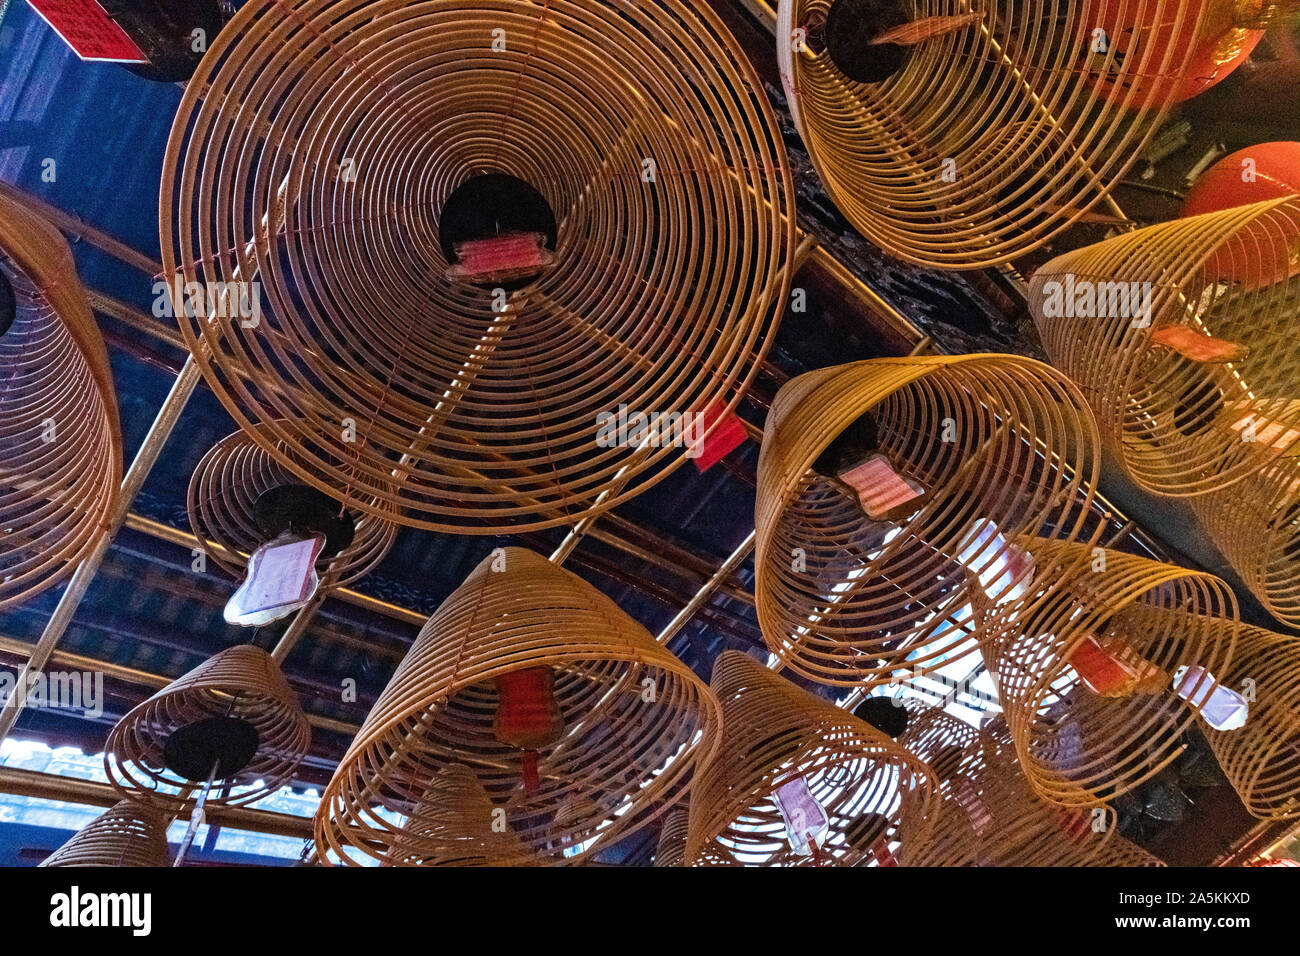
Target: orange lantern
1212	37
1256	256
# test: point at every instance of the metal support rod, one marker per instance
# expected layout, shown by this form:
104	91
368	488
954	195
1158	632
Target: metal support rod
71	599
50	786
725	570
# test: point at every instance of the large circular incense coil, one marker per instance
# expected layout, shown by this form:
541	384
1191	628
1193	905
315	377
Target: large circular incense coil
1007	124
60	437
774	733
673	832
454	825
1085	734
223	495
989	816
635	720
127	834
318	147
1256	524
844	599
1185	338
233	714
1262	759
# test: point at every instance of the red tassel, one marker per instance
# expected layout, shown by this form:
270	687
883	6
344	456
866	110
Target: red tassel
532	780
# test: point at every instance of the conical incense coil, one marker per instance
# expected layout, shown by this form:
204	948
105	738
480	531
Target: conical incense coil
1256	524
1090	673
455	825
671	848
992	442
60	437
633	720
234	714
992	127
775	734
1262	759
632	140
127	834
1185	338
223	496
989	816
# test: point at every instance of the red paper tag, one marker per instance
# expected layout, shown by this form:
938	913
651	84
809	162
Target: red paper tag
1075	823
969	800
1111	670
89	31
1193	345
726	438
501	257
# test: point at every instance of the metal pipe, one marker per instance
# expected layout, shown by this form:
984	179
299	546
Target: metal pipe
48	786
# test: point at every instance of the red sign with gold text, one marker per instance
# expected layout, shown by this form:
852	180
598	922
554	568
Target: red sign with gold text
92	33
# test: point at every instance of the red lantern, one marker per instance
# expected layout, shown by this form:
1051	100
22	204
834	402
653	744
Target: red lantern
1260	253
1134	36
528	716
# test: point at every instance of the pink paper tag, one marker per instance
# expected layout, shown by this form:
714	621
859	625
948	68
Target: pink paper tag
880	488
806	822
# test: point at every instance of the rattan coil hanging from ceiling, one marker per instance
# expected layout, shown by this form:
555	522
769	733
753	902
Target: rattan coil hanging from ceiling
996	125
773	734
127	834
631	720
1087	673
319	147
234	713
992	441
60	437
223	496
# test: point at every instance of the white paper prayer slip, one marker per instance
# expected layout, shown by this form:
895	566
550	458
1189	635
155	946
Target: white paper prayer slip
1221	707
1006	571
281	578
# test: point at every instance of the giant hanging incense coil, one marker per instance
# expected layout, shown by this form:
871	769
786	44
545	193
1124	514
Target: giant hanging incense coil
127	834
1184	336
634	721
60	437
989	131
1126	626
989	816
1262	759
223	496
671	848
233	714
844	599
454	825
320	145
774	733
1256	524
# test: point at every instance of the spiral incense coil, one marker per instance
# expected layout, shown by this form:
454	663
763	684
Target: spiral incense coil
60	437
635	720
224	490
1185	337
127	834
1256	524
1262	759
774	733
319	150
454	825
1080	745
989	816
991	130
843	599
671	849
240	691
